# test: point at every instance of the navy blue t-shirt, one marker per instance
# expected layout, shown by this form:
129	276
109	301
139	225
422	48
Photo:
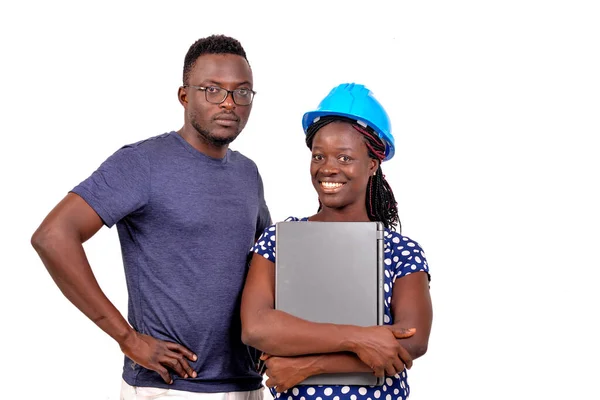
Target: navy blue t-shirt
185	224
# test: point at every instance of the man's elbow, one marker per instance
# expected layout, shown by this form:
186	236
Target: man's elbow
41	238
45	238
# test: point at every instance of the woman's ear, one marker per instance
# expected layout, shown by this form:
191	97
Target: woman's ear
374	166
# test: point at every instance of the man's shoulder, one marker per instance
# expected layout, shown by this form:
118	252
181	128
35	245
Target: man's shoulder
237	157
149	143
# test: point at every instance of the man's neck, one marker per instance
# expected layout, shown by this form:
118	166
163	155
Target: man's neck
199	143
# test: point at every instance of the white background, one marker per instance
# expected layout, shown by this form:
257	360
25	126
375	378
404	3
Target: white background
495	108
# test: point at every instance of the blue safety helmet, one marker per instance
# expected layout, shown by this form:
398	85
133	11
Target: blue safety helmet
355	101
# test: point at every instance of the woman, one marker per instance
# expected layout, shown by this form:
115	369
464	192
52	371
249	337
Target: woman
349	136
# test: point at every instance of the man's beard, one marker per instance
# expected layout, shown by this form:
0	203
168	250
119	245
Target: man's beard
210	138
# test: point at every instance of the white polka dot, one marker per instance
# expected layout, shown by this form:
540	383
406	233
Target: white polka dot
396	239
319	398
413	267
404	374
396	259
410	244
388	397
271	229
290	398
345	389
387	273
269	244
302	398
405	252
295	391
278	395
362	391
310	391
390	299
386	287
336	398
396	391
415	250
405	239
328	391
266	256
272	238
389	381
377	394
384	388
353	397
386	319
418	259
387	261
402	384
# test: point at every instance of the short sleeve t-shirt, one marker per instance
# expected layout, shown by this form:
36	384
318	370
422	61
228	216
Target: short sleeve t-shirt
185	223
403	256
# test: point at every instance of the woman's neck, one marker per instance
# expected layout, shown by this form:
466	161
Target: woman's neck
341	215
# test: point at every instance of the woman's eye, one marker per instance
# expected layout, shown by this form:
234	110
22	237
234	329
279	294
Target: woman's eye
317	157
344	158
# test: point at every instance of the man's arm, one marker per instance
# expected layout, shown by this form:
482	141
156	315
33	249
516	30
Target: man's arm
59	243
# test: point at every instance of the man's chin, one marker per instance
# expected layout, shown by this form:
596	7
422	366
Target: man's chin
220	140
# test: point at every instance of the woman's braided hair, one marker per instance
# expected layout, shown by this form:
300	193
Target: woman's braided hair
380	202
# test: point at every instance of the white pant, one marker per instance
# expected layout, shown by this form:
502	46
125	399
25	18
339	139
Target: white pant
129	392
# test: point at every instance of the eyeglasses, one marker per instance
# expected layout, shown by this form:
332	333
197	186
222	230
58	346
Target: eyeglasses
217	95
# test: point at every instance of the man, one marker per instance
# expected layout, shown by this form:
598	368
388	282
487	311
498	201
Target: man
187	211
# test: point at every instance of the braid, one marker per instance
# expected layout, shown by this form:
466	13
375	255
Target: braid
380	202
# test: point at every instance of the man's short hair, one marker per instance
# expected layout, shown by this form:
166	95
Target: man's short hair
214	44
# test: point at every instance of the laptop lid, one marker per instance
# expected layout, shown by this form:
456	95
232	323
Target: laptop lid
331	272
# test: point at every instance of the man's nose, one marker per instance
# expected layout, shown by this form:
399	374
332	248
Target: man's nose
228	103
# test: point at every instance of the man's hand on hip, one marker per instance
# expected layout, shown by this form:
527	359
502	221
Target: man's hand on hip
158	355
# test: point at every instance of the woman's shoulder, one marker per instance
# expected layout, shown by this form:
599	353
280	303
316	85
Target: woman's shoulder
401	245
398	238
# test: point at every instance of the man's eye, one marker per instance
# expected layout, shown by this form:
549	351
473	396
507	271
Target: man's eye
243	92
213	89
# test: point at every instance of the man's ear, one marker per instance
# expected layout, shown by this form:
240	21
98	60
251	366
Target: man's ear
182	96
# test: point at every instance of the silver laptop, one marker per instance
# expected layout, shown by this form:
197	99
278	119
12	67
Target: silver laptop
331	272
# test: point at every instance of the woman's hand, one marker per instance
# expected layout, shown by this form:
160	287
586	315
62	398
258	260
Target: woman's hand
287	372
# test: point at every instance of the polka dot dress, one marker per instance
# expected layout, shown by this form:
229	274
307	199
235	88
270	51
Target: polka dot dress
403	256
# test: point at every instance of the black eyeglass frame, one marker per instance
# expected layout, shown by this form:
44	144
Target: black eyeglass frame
227	92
